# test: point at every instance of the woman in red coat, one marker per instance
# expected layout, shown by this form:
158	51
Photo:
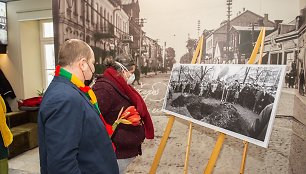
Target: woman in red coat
113	92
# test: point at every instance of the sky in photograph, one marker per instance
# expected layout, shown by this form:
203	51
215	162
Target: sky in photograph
171	21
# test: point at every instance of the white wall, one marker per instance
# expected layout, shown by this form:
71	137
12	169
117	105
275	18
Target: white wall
31	57
15	64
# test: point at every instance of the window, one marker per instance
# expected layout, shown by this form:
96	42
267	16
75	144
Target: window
48	30
47	51
49	63
101	17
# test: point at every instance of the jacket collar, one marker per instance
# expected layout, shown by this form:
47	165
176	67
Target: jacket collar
60	79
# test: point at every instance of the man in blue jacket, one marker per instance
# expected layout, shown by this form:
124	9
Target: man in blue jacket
72	135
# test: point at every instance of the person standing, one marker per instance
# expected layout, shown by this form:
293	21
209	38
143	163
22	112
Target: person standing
137	75
291	79
73	136
6	91
6	138
114	92
259	127
302	82
236	90
287	79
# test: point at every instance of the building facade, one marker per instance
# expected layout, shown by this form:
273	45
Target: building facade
152	54
281	46
241	46
131	7
100	23
218	38
301	25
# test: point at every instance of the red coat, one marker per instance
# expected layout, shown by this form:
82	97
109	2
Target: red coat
127	138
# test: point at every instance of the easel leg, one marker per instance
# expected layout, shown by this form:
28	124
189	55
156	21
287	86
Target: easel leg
188	148
162	145
246	145
214	155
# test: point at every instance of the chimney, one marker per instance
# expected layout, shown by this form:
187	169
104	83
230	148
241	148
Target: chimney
261	22
277	24
303	12
303	15
298	22
266	16
243	9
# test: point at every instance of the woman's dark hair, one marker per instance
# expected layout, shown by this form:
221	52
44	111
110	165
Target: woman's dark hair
124	60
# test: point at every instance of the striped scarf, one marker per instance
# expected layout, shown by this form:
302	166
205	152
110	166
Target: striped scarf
86	90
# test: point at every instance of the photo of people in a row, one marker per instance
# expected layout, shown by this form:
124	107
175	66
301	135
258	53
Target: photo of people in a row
251	96
237	98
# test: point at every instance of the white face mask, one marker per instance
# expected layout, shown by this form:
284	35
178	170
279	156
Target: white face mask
129	80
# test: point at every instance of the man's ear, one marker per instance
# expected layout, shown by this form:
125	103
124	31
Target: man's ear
82	64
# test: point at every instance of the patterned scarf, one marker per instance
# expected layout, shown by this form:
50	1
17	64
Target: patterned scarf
86	90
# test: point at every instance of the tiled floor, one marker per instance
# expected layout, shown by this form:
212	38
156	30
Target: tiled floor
26	163
15	171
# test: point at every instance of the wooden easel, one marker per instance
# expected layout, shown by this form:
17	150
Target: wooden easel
215	153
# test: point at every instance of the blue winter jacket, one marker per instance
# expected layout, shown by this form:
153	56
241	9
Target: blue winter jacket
72	138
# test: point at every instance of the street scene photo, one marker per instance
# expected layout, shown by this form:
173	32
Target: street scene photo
239	100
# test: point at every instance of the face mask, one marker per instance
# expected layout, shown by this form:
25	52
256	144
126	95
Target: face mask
89	82
131	79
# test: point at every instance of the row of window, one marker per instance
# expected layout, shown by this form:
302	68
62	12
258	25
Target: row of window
47	48
97	14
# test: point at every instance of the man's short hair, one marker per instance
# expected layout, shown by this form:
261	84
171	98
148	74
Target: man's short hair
73	50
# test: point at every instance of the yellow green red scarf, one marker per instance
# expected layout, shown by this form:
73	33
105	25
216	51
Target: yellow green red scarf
86	90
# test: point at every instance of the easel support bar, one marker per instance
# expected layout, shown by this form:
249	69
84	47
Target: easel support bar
162	145
214	155
198	51
245	151
188	148
262	45
260	42
255	50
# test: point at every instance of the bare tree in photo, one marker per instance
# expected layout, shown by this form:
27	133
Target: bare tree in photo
247	70
205	71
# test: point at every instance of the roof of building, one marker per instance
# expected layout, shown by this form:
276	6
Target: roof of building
249	28
286	28
293	22
126	2
276	36
237	17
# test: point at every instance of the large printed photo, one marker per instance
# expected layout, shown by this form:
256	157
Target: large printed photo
155	41
157	34
239	100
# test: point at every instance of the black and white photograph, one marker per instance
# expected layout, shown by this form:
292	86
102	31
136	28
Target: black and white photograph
238	100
